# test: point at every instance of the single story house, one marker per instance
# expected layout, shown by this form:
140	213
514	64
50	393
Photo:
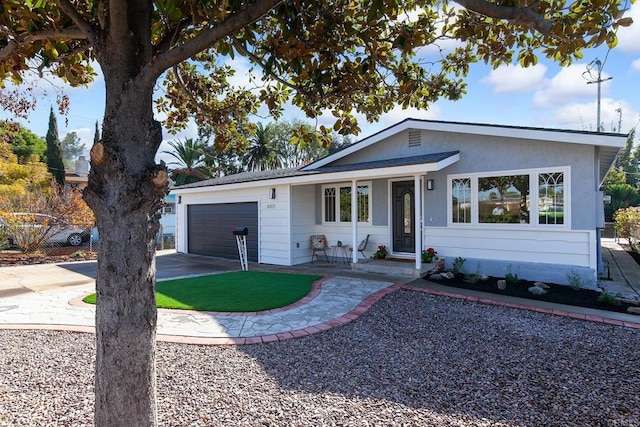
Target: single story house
504	198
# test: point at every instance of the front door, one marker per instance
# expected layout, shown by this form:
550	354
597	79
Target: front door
404	238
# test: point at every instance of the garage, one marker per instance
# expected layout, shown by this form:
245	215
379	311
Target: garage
210	229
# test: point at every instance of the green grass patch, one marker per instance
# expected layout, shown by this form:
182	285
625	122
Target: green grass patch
239	291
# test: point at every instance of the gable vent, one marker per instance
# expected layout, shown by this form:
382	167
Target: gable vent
415	138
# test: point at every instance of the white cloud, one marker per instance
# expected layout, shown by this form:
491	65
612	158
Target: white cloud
584	116
515	79
628	36
635	65
569	85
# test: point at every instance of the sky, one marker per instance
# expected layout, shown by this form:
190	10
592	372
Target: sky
546	95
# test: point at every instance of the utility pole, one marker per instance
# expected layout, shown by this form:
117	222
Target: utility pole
598	80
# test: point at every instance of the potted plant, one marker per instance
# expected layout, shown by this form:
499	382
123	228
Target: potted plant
428	254
381	253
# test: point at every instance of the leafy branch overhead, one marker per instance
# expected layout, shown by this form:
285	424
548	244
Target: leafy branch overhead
338	55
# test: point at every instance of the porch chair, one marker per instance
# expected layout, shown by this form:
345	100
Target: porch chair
319	244
361	248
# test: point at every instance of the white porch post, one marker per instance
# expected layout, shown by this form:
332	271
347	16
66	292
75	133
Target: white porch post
417	185
354	220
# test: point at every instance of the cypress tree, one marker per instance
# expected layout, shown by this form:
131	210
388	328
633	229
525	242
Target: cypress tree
96	136
54	151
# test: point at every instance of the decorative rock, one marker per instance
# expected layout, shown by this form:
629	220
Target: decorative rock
537	290
502	284
633	310
439	268
542	285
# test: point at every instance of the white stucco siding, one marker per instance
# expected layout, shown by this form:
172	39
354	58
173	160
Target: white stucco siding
273	218
564	247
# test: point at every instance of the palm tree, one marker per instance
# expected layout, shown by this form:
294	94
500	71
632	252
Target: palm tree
261	155
190	156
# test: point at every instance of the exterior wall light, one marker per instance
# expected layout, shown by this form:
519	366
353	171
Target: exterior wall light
430	184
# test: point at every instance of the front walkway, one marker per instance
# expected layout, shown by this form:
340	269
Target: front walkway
333	302
50	297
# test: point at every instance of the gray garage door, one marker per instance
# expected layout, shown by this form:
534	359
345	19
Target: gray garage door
211	229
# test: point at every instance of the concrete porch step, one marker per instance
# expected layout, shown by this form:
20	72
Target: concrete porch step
392	267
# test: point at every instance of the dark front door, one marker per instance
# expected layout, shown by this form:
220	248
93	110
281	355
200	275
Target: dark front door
404	238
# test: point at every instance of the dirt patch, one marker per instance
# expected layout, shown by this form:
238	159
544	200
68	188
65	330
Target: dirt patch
555	293
50	256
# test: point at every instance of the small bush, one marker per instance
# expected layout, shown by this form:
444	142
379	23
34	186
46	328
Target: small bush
458	265
574	279
511	277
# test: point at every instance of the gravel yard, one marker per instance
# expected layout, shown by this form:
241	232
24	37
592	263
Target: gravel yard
412	360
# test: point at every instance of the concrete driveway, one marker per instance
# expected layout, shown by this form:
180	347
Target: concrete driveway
35	278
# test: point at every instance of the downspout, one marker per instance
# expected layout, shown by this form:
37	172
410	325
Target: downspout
599	262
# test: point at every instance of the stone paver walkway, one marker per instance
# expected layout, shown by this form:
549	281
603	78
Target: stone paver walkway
334	301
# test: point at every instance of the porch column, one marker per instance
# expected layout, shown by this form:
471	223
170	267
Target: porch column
417	185
354	220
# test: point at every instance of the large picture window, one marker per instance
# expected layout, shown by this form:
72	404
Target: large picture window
337	203
503	199
535	197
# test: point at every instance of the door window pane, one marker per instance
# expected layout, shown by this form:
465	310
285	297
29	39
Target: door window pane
406	212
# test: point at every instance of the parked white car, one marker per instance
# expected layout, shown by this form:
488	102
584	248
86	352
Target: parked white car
29	229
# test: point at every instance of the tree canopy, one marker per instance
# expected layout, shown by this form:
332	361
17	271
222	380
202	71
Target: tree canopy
24	143
72	147
336	55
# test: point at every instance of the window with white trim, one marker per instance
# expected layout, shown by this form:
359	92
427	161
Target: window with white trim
337	203
527	197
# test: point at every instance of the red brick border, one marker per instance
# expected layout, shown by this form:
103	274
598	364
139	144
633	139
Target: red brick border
489	301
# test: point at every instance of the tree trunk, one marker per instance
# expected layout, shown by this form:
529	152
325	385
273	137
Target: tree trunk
126	190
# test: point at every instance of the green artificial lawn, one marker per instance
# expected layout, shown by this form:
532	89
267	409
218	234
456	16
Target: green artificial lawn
239	291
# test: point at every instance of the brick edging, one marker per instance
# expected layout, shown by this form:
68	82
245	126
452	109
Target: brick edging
489	301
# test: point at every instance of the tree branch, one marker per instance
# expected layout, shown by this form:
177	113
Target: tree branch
66	34
261	64
519	15
206	39
82	24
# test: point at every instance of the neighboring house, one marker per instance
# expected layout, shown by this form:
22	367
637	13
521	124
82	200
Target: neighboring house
502	197
167	234
79	177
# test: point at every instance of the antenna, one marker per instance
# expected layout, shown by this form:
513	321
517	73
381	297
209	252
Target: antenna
591	79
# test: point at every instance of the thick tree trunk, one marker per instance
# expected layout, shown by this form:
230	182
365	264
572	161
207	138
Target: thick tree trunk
126	189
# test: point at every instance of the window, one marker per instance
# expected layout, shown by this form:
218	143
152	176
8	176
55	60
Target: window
503	199
533	197
168	208
337	203
461	199
551	198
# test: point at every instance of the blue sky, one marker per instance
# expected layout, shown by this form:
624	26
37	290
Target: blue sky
546	95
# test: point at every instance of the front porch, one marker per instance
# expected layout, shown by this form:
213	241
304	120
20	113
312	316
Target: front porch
396	267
